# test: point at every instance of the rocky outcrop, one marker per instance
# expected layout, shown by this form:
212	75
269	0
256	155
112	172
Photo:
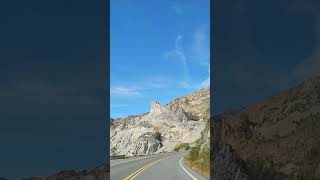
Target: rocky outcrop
99	173
274	139
196	104
227	165
163	128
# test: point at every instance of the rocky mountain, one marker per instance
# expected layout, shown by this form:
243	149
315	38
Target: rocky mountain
101	172
275	139
163	128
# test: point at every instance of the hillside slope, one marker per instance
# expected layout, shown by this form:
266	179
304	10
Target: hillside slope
274	139
101	172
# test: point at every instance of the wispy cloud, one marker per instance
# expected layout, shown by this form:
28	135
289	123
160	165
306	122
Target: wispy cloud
185	85
200	48
138	88
119	105
198	52
206	82
157	84
196	85
177	8
178	55
125	91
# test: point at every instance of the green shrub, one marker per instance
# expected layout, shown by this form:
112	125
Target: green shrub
157	136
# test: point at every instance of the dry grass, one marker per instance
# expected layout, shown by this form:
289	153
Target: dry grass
156	128
199	167
199	161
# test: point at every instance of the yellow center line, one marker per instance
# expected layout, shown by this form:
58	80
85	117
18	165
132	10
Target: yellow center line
139	171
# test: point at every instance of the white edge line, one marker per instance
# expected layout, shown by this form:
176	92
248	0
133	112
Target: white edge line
132	160
187	170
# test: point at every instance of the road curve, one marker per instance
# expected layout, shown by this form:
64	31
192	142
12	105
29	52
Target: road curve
158	167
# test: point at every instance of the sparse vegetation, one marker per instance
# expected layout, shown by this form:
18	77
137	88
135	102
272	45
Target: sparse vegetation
199	160
182	146
157	128
157	136
192	116
199	157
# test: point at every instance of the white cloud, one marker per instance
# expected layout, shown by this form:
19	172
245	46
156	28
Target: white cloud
125	91
185	85
200	48
155	84
119	105
195	85
178	55
205	83
177	8
198	52
178	42
138	88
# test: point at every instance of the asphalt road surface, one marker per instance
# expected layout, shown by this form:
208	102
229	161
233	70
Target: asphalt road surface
158	167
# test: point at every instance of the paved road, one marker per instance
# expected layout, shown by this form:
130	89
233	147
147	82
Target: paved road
158	167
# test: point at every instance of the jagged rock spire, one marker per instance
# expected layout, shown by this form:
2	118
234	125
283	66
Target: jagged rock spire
155	106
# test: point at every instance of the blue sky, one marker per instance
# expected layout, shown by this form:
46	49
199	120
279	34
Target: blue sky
159	51
262	48
52	107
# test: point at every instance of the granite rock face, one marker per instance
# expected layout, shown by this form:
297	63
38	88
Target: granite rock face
161	129
275	139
